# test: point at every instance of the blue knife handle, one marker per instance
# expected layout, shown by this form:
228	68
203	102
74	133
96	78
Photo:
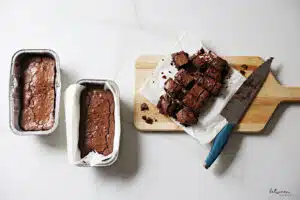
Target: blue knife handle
218	145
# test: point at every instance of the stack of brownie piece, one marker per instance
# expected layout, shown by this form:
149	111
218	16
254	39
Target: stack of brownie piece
199	77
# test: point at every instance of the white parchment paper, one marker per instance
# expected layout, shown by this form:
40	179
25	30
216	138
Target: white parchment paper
72	113
210	121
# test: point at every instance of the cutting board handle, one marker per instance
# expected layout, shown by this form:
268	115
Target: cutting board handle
291	94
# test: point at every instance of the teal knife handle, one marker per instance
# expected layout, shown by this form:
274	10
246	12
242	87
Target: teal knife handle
218	145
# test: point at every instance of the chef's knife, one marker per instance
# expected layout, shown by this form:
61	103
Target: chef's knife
236	108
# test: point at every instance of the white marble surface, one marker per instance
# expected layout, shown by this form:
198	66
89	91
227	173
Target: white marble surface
101	39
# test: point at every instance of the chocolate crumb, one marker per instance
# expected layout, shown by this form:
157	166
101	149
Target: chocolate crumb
244	66
172	63
149	120
164	77
162	73
243	72
170	72
162	59
152	81
155	120
144	107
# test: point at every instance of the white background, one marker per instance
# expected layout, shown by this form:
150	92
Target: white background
102	39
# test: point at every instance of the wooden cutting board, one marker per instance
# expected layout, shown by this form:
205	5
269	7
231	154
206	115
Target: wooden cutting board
259	113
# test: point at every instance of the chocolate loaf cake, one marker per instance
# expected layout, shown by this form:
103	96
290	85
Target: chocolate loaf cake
37	85
97	122
199	77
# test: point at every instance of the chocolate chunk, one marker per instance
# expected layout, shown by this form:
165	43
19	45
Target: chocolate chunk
184	78
186	117
164	77
180	59
144	107
173	88
144	117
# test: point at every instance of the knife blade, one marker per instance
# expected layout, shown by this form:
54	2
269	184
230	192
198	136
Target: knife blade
237	107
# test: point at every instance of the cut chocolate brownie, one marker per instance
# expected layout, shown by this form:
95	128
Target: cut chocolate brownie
196	98
196	90
167	105
192	102
184	78
210	84
217	87
180	59
212	72
186	117
199	62
219	63
173	88
204	96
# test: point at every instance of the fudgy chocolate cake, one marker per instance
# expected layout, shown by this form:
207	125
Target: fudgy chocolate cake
199	77
180	59
97	122
38	93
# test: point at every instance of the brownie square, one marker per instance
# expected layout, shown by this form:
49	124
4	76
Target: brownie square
196	90
219	63
199	62
209	83
212	72
173	88
186	117
216	89
184	78
197	75
204	96
167	105
180	59
192	102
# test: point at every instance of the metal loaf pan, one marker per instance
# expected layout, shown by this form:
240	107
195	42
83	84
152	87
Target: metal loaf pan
15	90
